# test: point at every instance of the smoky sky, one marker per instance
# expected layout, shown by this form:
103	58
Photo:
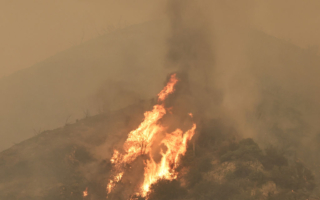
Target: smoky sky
34	30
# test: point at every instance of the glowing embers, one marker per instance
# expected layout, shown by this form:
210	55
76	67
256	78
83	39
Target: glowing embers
142	141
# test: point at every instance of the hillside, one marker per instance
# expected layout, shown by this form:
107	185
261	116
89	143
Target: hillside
66	160
102	77
288	111
62	163
62	88
88	78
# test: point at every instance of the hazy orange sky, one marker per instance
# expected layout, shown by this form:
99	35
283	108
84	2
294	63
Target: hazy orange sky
33	30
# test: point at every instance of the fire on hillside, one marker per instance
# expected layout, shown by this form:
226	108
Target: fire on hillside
152	135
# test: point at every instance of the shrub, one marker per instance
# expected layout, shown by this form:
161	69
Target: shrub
258	177
295	177
83	155
211	190
205	164
247	150
242	171
272	158
167	190
193	177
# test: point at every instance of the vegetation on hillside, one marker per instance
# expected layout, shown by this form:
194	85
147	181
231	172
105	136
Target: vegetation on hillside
226	168
61	164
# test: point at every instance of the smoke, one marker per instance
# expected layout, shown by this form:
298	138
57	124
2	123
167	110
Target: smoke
265	88
207	43
262	87
189	45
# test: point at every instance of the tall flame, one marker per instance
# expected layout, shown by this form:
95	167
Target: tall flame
168	89
139	142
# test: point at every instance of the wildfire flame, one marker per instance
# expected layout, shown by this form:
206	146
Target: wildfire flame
139	142
168	89
85	193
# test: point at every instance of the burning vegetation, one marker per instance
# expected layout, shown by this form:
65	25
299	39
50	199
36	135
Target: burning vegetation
150	136
172	148
160	154
156	163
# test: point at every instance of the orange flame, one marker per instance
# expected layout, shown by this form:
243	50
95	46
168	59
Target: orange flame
176	144
168	89
85	193
139	142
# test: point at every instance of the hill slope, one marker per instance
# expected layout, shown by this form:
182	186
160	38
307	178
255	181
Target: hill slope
123	67
62	163
66	85
67	159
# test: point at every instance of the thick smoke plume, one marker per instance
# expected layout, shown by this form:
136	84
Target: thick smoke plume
274	101
215	51
207	43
